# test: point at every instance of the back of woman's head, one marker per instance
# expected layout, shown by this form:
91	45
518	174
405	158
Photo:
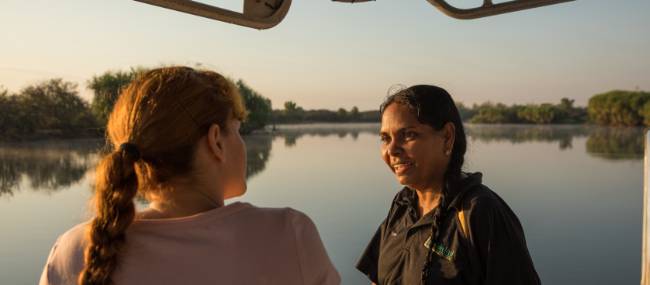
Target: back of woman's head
433	106
153	130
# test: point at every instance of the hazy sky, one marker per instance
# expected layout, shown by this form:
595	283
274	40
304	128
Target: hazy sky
328	54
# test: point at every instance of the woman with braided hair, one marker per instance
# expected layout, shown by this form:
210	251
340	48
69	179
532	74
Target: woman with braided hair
176	143
444	226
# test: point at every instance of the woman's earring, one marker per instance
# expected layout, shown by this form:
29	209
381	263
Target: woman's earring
448	152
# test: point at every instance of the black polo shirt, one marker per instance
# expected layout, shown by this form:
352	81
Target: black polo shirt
492	252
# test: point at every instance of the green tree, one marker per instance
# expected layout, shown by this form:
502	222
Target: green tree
619	108
570	114
489	113
290	106
55	105
292	112
258	106
355	115
645	113
566	103
9	115
538	114
342	114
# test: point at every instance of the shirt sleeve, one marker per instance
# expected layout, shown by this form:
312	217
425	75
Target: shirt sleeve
499	239
369	261
45	276
65	260
315	265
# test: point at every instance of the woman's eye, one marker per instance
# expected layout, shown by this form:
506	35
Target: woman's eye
384	139
410	135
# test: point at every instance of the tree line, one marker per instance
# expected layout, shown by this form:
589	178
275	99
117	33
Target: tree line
490	113
54	108
620	108
487	113
613	108
292	114
50	108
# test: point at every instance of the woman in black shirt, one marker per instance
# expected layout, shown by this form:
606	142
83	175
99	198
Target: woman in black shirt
444	226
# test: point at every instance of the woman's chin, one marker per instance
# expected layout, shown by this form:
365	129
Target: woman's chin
405	180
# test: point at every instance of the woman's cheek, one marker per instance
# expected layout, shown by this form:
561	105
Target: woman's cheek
384	156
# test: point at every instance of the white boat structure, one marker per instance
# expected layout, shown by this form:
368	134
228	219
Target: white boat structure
645	247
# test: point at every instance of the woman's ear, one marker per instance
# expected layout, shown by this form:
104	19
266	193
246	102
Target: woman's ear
215	142
450	136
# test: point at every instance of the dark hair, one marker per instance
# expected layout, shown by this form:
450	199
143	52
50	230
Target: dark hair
433	106
153	130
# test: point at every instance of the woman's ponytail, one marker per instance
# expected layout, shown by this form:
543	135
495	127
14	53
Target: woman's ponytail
115	187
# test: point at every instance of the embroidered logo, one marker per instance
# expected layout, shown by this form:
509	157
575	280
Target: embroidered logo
439	249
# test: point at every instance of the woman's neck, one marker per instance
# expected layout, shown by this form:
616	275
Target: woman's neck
428	198
180	202
427	201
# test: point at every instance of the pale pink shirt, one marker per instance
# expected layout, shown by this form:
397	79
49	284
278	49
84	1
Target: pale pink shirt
235	244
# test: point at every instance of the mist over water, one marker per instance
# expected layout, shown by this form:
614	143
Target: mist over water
576	189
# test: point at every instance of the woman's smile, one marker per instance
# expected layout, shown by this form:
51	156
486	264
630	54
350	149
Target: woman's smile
402	167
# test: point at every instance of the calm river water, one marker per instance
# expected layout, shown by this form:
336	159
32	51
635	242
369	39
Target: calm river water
576	189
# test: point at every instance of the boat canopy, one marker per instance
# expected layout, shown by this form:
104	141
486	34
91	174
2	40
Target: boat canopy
265	14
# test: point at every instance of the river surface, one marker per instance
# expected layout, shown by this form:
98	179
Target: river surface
576	189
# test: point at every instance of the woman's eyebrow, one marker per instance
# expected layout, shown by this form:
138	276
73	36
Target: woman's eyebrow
400	130
406	128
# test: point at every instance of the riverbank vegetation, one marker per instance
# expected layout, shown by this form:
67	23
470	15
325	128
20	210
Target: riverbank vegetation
490	113
294	114
614	108
49	108
620	108
53	108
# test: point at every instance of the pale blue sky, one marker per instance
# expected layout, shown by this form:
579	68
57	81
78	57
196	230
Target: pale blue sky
328	54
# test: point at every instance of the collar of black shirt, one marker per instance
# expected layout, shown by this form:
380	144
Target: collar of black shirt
408	198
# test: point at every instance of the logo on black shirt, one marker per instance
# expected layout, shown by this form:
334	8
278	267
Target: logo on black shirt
440	249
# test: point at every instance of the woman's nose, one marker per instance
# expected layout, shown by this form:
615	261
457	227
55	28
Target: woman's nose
394	148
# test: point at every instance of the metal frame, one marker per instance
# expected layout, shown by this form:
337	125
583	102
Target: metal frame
645	251
247	19
262	15
491	9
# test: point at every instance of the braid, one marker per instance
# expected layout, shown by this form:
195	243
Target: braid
439	215
452	178
115	188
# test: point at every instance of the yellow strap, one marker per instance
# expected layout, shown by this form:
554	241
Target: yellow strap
463	223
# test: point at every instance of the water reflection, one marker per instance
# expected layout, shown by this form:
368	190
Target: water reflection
292	133
46	166
604	142
49	166
258	151
616	143
517	134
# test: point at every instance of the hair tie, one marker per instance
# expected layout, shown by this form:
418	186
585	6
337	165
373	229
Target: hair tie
130	150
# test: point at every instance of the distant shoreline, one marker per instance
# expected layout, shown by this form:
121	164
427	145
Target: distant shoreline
100	133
